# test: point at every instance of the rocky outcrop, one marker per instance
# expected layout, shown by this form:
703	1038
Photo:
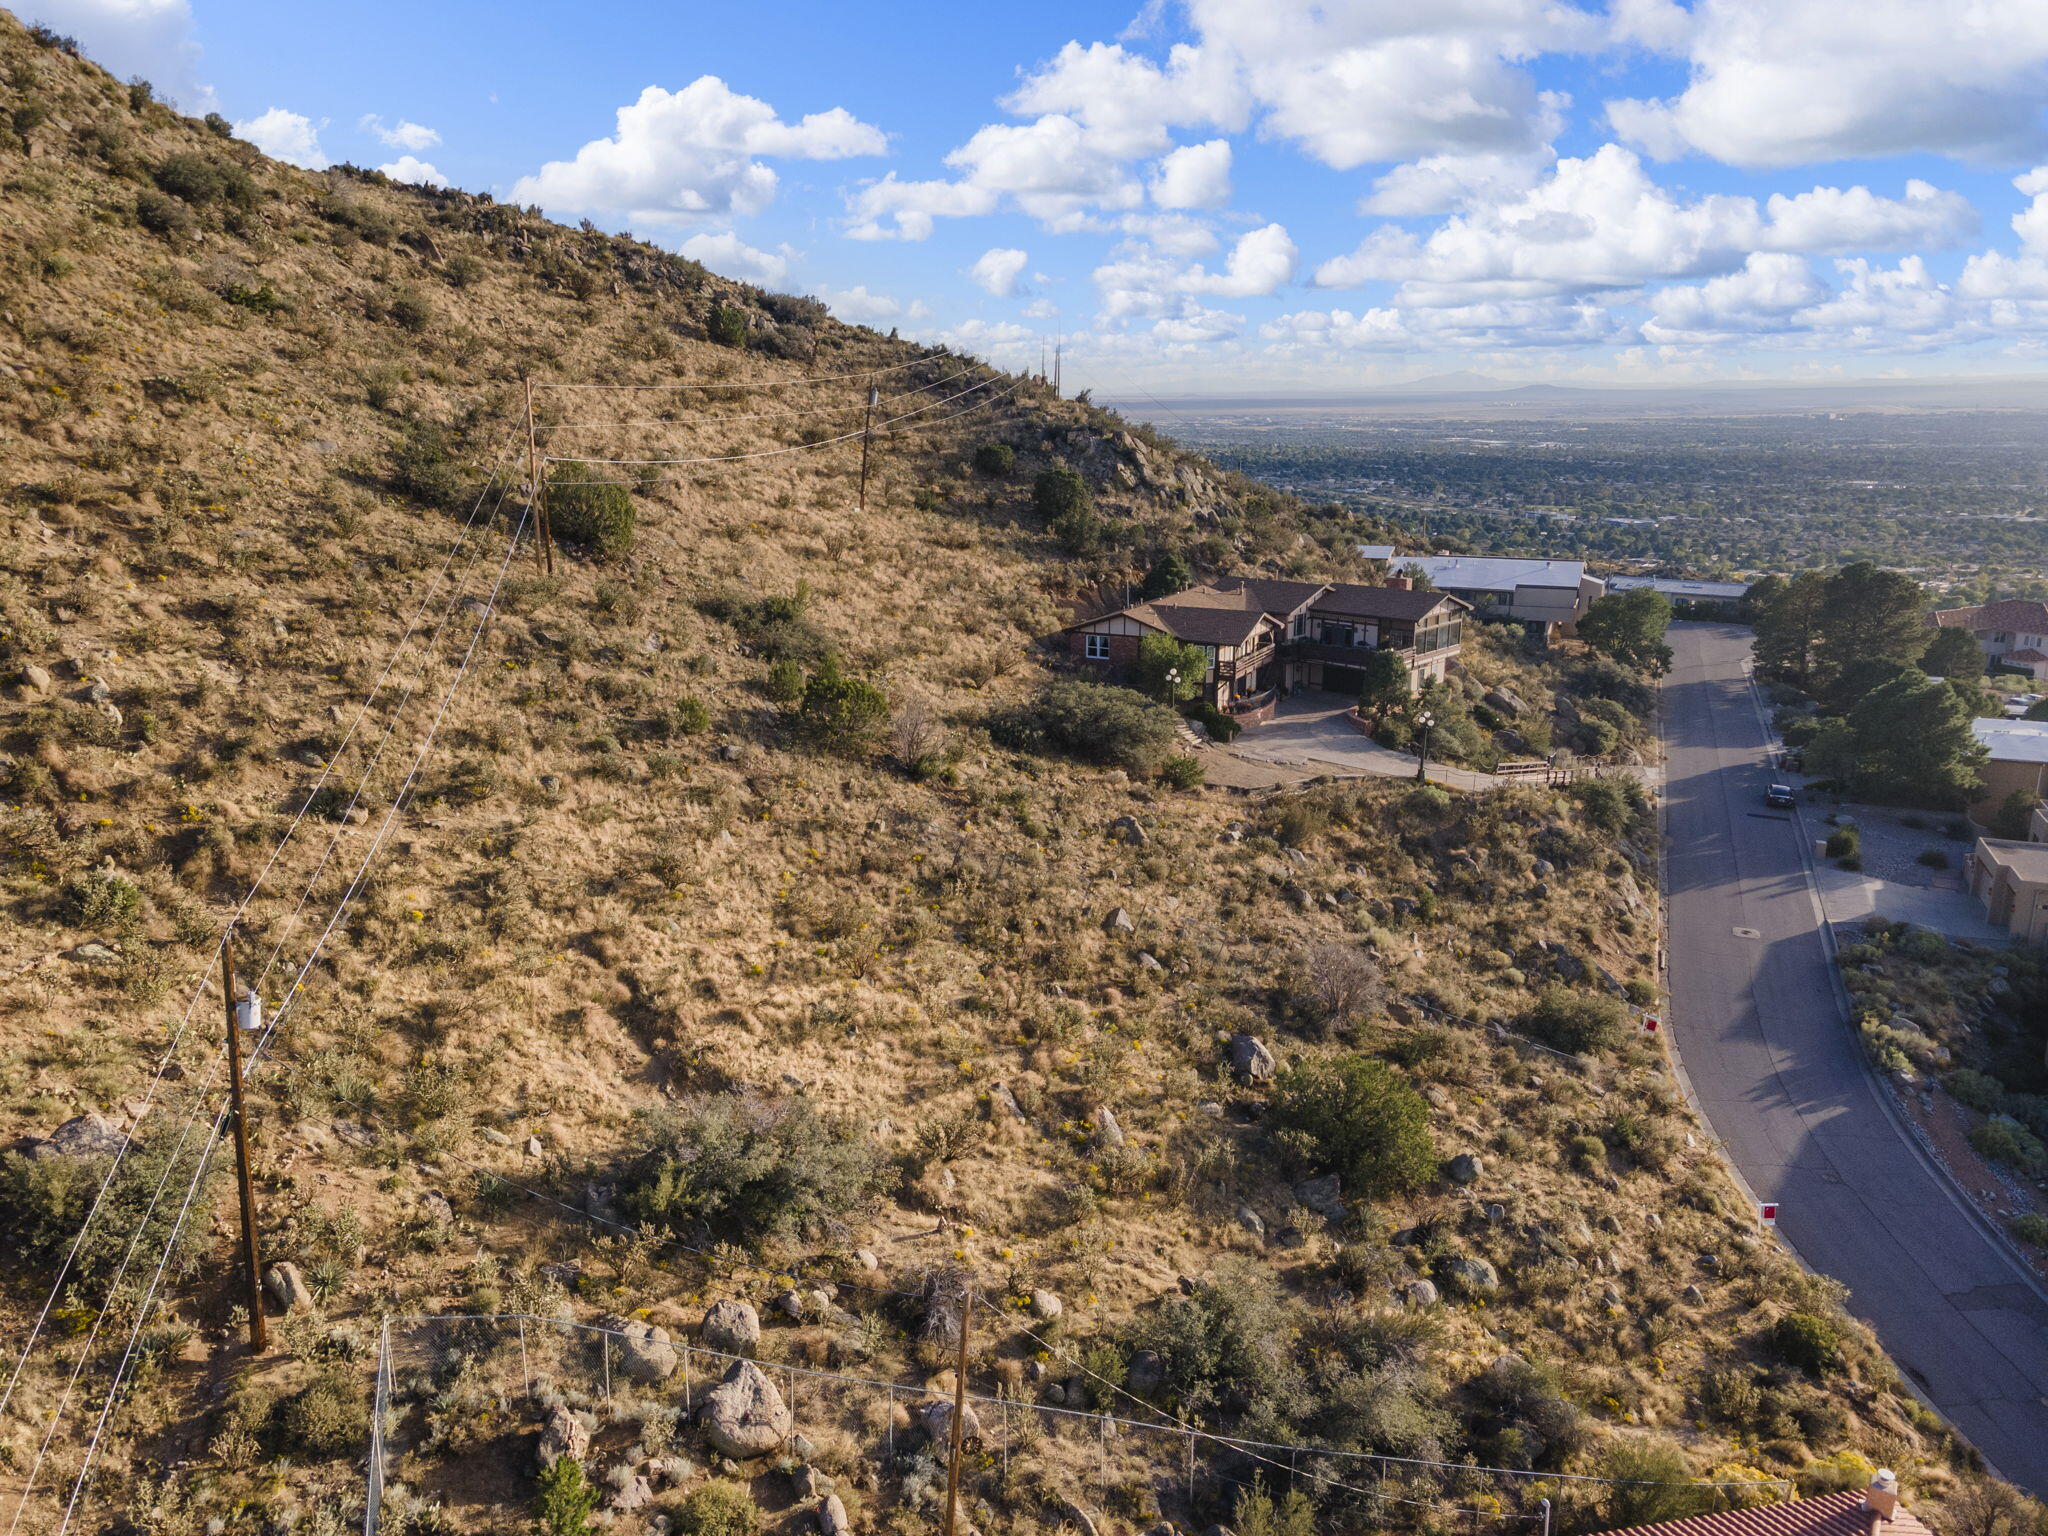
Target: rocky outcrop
731	1327
744	1416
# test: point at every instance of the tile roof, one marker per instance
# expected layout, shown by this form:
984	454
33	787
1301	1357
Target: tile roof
1279	598
1403	603
2029	654
2013	741
1833	1514
2013	613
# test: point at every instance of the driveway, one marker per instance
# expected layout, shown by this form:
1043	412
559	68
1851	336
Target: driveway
1311	733
1760	1026
1852	898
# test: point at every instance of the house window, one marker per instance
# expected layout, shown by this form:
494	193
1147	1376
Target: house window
1096	647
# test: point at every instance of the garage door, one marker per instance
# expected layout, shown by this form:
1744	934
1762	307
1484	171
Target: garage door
1349	681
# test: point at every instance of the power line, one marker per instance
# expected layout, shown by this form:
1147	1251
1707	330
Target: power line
809	410
819	378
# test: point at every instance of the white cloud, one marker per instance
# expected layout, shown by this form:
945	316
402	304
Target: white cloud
1126	102
1194	176
287	136
858	306
1052	167
1781	82
1996	276
690	155
912	206
1174	233
729	256
1140	282
414	171
1197	327
998	270
1770	288
1601	224
152	39
1261	262
1003	342
401	135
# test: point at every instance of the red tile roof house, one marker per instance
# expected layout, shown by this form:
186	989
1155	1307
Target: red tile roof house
1875	1511
2013	633
1266	637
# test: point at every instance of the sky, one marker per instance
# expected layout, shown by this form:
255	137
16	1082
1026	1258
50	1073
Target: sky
1228	196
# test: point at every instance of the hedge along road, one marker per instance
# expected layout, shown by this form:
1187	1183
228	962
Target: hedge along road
1765	1041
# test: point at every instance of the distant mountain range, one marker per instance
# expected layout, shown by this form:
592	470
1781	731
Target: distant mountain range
1477	394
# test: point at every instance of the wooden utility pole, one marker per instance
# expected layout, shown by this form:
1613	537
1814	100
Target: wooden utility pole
537	502
251	1261
867	421
959	1424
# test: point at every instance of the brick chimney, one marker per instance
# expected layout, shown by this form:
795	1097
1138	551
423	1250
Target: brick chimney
1400	583
1880	1500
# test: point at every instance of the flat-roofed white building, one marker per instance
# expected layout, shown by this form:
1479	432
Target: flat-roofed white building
1547	592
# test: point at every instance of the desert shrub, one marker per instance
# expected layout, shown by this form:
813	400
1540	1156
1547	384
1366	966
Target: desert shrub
565	1498
1226	1342
1612	804
1805	1341
843	714
1183	773
786	682
1299	821
410	310
754	1169
775	628
726	326
589	511
2031	1228
328	1416
2005	1140
1092	721
1059	492
1341	983
1258	1513
1579	1022
464	270
994	459
162	214
689	717
104	899
1979	1090
1653	1484
200	181
1355	1116
1932	858
719	1508
1845	843
423	468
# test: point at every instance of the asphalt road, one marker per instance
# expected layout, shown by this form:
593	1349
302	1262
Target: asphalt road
1756	1020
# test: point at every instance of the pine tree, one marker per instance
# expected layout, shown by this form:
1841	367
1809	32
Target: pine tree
1868	614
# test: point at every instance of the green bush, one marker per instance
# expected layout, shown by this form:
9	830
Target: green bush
1845	843
775	628
843	714
1221	727
329	1416
994	459
2031	1228
690	717
1979	1090
162	214
586	510
1059	492
1578	1022
200	181
1226	1342
1260	1514
104	899
1932	858
1354	1116
1091	721
753	1169
2005	1140
1652	1484
719	1508
1809	1343
410	310
1183	773
423	468
565	1498
726	326
785	682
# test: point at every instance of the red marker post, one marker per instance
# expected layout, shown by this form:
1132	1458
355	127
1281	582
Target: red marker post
1768	1210
1650	1023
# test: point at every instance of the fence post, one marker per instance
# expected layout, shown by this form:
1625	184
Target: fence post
373	1501
1546	1517
686	1378
890	1420
1102	1458
605	1342
525	1364
1191	1476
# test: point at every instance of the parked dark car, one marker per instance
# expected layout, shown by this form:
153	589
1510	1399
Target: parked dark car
1779	797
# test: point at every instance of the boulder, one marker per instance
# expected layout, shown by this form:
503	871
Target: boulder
744	1416
1002	1098
1692	1296
1119	922
1320	1196
435	1207
790	1304
731	1327
1503	702
1471	1274
866	1260
1148	961
1079	1518
1107	1131
629	1490
1046	1307
1145	1373
1250	1060
1125	829
564	1434
1249	1219
33	676
807	1482
1420	1293
1464	1168
86	1135
645	1351
288	1288
91	952
937	1418
832	1520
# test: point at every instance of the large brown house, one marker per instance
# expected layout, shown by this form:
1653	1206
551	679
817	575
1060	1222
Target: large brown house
1264	636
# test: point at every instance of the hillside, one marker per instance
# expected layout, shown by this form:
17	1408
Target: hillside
727	884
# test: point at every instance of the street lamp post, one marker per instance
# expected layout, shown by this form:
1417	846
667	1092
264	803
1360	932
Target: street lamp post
1172	685
1423	722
